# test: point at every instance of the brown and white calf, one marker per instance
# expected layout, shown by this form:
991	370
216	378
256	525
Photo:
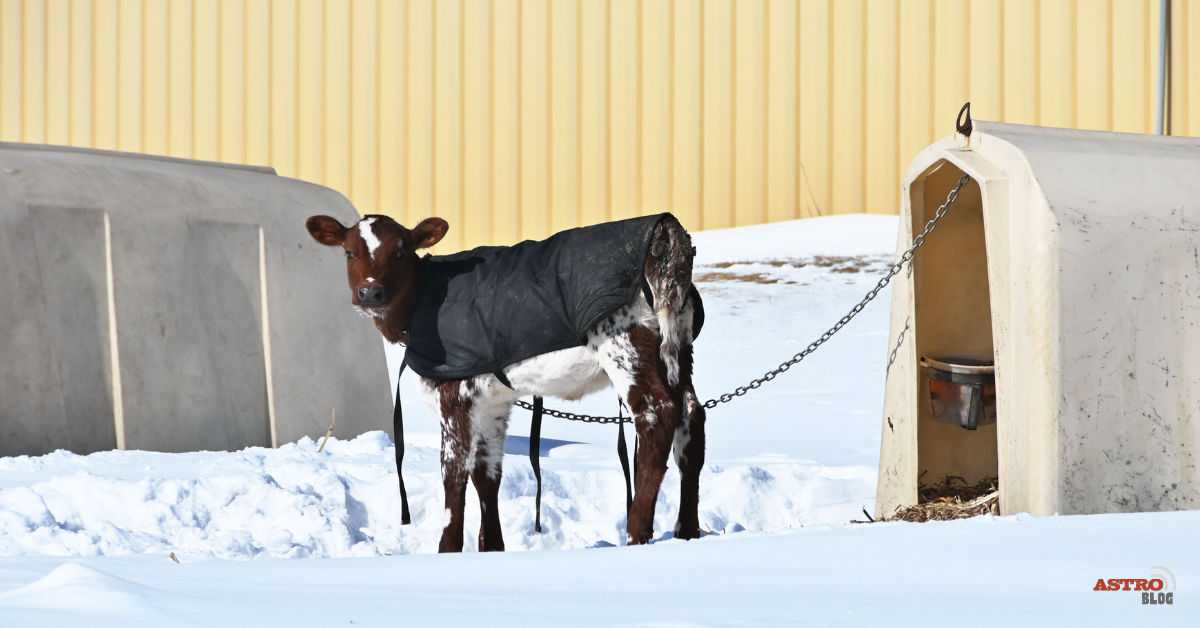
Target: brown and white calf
646	355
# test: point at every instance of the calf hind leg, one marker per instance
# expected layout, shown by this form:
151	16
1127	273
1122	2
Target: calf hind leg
489	453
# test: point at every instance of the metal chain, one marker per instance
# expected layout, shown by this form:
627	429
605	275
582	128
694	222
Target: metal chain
571	416
754	384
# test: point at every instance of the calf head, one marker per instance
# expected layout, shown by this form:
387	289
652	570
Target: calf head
382	264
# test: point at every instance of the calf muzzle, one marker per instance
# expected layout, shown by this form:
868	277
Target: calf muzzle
370	295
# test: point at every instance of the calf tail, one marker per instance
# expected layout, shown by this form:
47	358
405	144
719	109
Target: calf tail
669	273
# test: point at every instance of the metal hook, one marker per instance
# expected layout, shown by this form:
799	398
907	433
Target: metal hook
966	128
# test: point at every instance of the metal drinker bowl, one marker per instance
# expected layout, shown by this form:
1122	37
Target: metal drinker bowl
962	389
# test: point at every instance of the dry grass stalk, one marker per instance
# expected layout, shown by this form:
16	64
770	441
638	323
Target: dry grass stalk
329	433
952	498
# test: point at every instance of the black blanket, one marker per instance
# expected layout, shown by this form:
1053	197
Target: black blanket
482	310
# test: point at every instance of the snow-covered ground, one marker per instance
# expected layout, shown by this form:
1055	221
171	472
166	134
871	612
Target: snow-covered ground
87	540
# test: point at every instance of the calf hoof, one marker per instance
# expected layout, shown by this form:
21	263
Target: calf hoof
687	532
489	545
448	546
640	538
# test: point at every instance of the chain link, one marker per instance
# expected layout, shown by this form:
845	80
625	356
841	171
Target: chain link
754	384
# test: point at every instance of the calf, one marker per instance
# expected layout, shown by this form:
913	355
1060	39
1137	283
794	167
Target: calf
611	305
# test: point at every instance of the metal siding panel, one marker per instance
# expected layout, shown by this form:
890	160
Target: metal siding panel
686	115
155	79
535	120
231	114
1057	64
477	124
258	83
506	121
655	84
310	80
986	70
81	73
779	170
847	109
1092	105
363	120
206	81
881	166
1177	92
33	72
625	154
718	114
951	62
336	97
815	96
1020	62
1191	61
179	115
104	83
1130	113
447	129
916	80
1150	93
10	70
564	119
420	111
283	87
593	113
392	111
129	75
58	72
749	122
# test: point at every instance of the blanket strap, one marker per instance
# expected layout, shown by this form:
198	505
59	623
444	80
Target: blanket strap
398	432
499	373
623	454
535	448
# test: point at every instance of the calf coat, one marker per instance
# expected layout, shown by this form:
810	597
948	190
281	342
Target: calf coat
611	305
483	310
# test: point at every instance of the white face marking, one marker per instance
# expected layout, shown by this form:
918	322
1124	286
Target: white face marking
366	228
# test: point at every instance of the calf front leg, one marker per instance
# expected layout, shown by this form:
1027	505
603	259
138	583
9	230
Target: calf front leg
632	361
656	418
689	457
456	462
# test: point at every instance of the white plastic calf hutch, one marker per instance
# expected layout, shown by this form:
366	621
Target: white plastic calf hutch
173	305
1071	260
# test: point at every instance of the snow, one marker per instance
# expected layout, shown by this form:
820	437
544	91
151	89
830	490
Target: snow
88	539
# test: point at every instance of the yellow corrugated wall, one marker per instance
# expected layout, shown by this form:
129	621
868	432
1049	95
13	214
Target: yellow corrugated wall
516	118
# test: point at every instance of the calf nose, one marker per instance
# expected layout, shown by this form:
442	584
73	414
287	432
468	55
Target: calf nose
370	295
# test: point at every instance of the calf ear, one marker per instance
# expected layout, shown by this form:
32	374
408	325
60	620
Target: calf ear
326	230
430	232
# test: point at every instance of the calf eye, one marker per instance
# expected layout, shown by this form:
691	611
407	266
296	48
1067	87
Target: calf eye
400	254
349	255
